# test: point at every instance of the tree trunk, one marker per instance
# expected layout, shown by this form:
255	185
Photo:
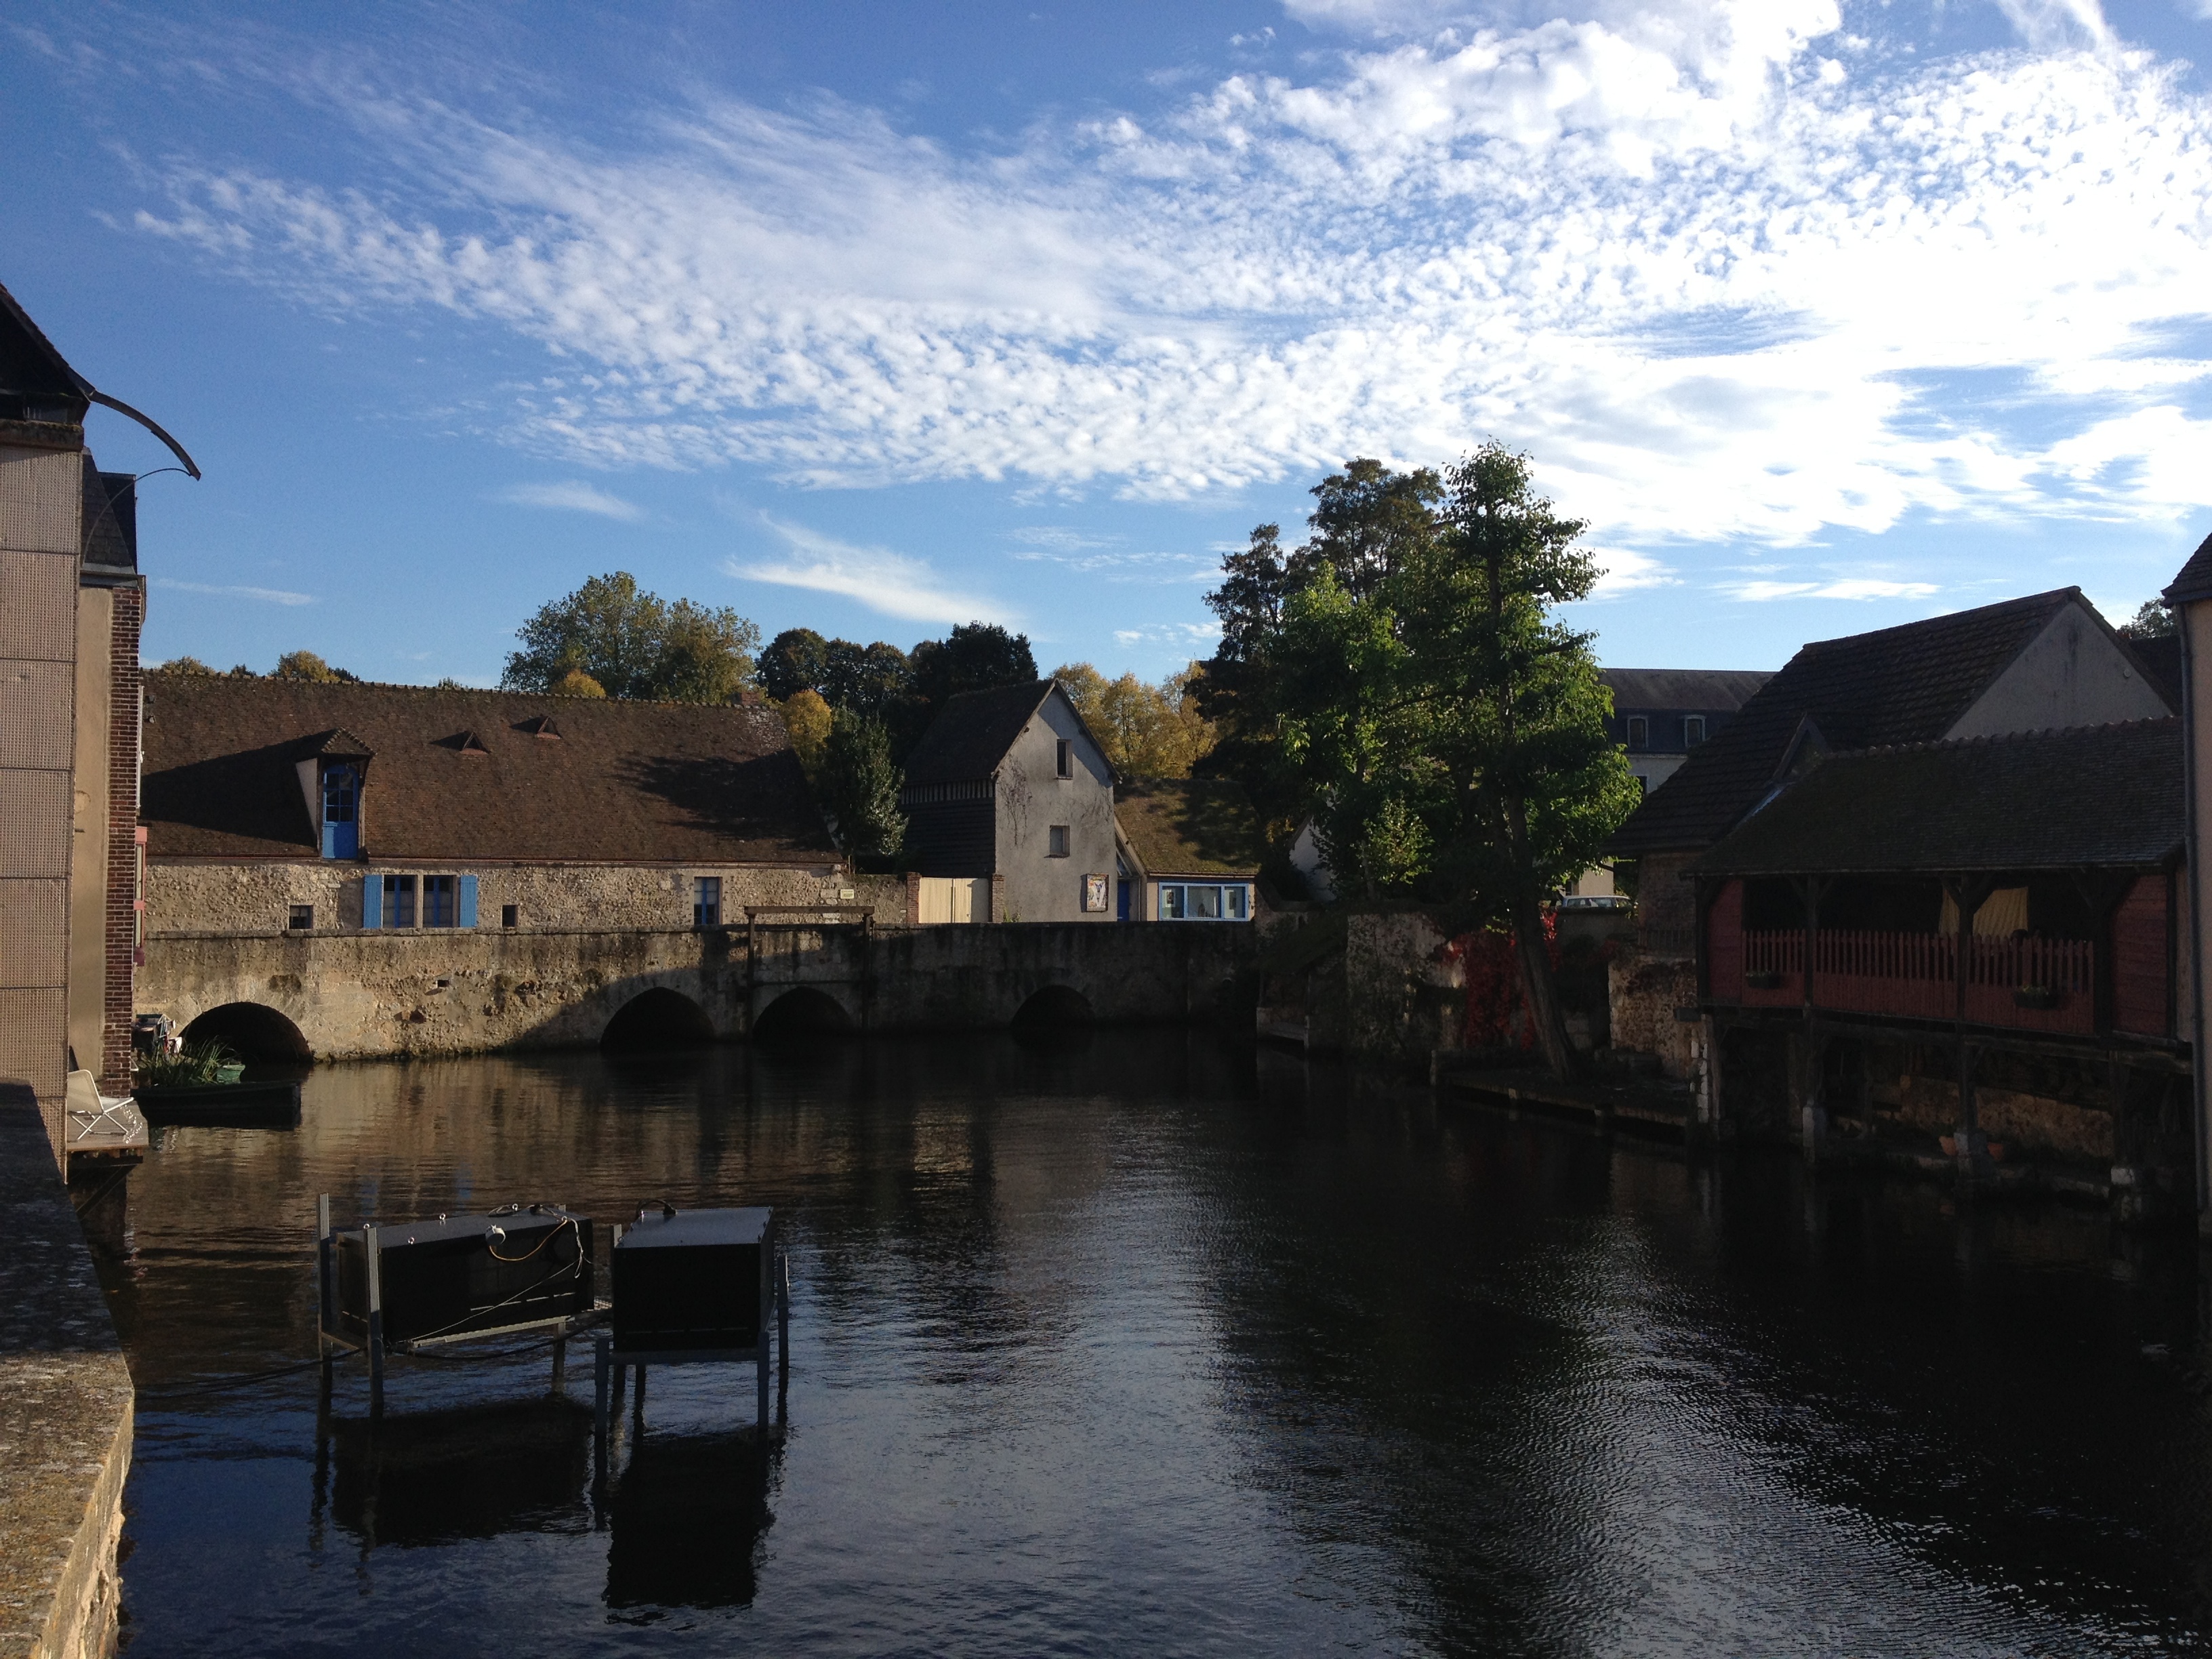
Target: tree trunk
1539	990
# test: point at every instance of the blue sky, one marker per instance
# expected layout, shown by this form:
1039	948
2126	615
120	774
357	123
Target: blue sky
875	318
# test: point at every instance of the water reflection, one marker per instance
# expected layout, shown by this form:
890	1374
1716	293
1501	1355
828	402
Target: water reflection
1143	1341
687	1516
424	1479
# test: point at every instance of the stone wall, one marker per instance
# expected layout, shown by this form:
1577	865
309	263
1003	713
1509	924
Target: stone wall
363	994
1403	1001
257	897
66	1411
1643	992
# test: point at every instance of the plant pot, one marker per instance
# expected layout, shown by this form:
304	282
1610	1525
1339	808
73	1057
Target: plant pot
1763	980
233	1072
2036	996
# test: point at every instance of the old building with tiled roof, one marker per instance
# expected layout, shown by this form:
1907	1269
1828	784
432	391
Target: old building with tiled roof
1190	849
2045	660
275	804
1010	809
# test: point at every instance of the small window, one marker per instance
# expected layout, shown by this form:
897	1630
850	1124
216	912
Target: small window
1206	904
1643	784
706	901
1171	903
1639	732
303	918
510	916
1067	758
1237	903
400	900
437	901
1693	730
1055	841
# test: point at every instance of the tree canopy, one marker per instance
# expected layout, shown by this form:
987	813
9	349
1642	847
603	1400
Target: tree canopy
635	644
859	786
2154	620
1401	678
1147	731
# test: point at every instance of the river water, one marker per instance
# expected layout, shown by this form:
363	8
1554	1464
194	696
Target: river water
1146	1343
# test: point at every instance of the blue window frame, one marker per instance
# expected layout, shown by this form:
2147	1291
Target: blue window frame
706	901
437	901
398	901
445	902
1192	901
341	812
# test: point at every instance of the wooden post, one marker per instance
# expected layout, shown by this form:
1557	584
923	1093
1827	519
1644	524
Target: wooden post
371	1246
783	1335
760	1334
324	1319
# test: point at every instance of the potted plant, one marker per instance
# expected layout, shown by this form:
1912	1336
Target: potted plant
202	1065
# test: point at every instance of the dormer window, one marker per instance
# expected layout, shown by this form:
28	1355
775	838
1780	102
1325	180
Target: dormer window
1693	730
341	812
1639	732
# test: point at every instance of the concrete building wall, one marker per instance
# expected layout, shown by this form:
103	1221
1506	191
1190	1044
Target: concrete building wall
41	530
124	837
2071	674
94	695
1032	798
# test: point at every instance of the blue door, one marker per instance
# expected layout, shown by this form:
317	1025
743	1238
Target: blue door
341	813
1121	901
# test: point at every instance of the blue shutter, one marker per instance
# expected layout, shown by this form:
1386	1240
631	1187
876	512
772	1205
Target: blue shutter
468	918
372	902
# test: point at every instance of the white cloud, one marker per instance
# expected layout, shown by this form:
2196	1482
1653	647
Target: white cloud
259	595
1621	571
573	497
1720	293
883	580
1851	587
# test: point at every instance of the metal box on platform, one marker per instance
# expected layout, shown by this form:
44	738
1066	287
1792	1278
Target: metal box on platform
694	1280
461	1275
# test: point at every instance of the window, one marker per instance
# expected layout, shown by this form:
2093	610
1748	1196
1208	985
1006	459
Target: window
1639	732
1055	841
1067	758
398	901
437	901
303	918
1693	730
510	916
706	901
1643	784
341	812
1195	902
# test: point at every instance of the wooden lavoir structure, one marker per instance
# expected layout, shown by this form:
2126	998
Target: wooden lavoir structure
2012	905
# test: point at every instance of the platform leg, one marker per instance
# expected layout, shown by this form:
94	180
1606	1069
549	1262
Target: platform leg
760	1409
637	1398
601	1379
371	1248
559	1363
323	1311
783	1336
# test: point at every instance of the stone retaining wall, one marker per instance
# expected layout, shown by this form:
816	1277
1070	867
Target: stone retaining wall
66	1410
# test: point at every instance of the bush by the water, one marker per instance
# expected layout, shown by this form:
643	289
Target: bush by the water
198	1065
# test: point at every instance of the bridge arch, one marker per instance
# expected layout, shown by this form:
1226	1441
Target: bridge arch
1055	1008
801	1012
251	1030
658	1018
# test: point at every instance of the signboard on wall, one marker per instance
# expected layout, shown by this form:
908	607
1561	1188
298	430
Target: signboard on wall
1094	894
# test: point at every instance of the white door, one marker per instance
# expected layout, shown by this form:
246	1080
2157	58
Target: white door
955	898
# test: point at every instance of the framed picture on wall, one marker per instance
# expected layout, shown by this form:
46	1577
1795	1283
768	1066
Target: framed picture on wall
1094	893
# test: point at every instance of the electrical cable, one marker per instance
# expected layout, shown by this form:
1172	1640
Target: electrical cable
155	1397
565	1221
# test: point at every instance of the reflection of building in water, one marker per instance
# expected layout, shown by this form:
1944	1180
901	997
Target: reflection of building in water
688	1516
439	1477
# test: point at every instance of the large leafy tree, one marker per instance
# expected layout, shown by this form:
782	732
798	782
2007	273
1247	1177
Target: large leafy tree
635	644
859	786
1449	731
1148	730
974	656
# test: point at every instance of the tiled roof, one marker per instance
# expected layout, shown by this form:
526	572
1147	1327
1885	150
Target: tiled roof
1695	690
625	782
1190	826
1897	685
2038	801
2194	580
973	731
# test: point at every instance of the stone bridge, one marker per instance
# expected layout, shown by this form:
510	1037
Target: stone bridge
347	995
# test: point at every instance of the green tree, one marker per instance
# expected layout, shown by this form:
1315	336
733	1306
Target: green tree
806	721
1147	731
306	666
974	656
795	661
188	665
2152	620
635	644
1450	731
576	682
859	786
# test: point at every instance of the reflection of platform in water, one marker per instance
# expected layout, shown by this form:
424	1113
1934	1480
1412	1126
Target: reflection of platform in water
439	1477
689	1513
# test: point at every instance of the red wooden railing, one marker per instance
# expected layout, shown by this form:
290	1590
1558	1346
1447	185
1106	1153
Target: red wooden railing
1916	977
